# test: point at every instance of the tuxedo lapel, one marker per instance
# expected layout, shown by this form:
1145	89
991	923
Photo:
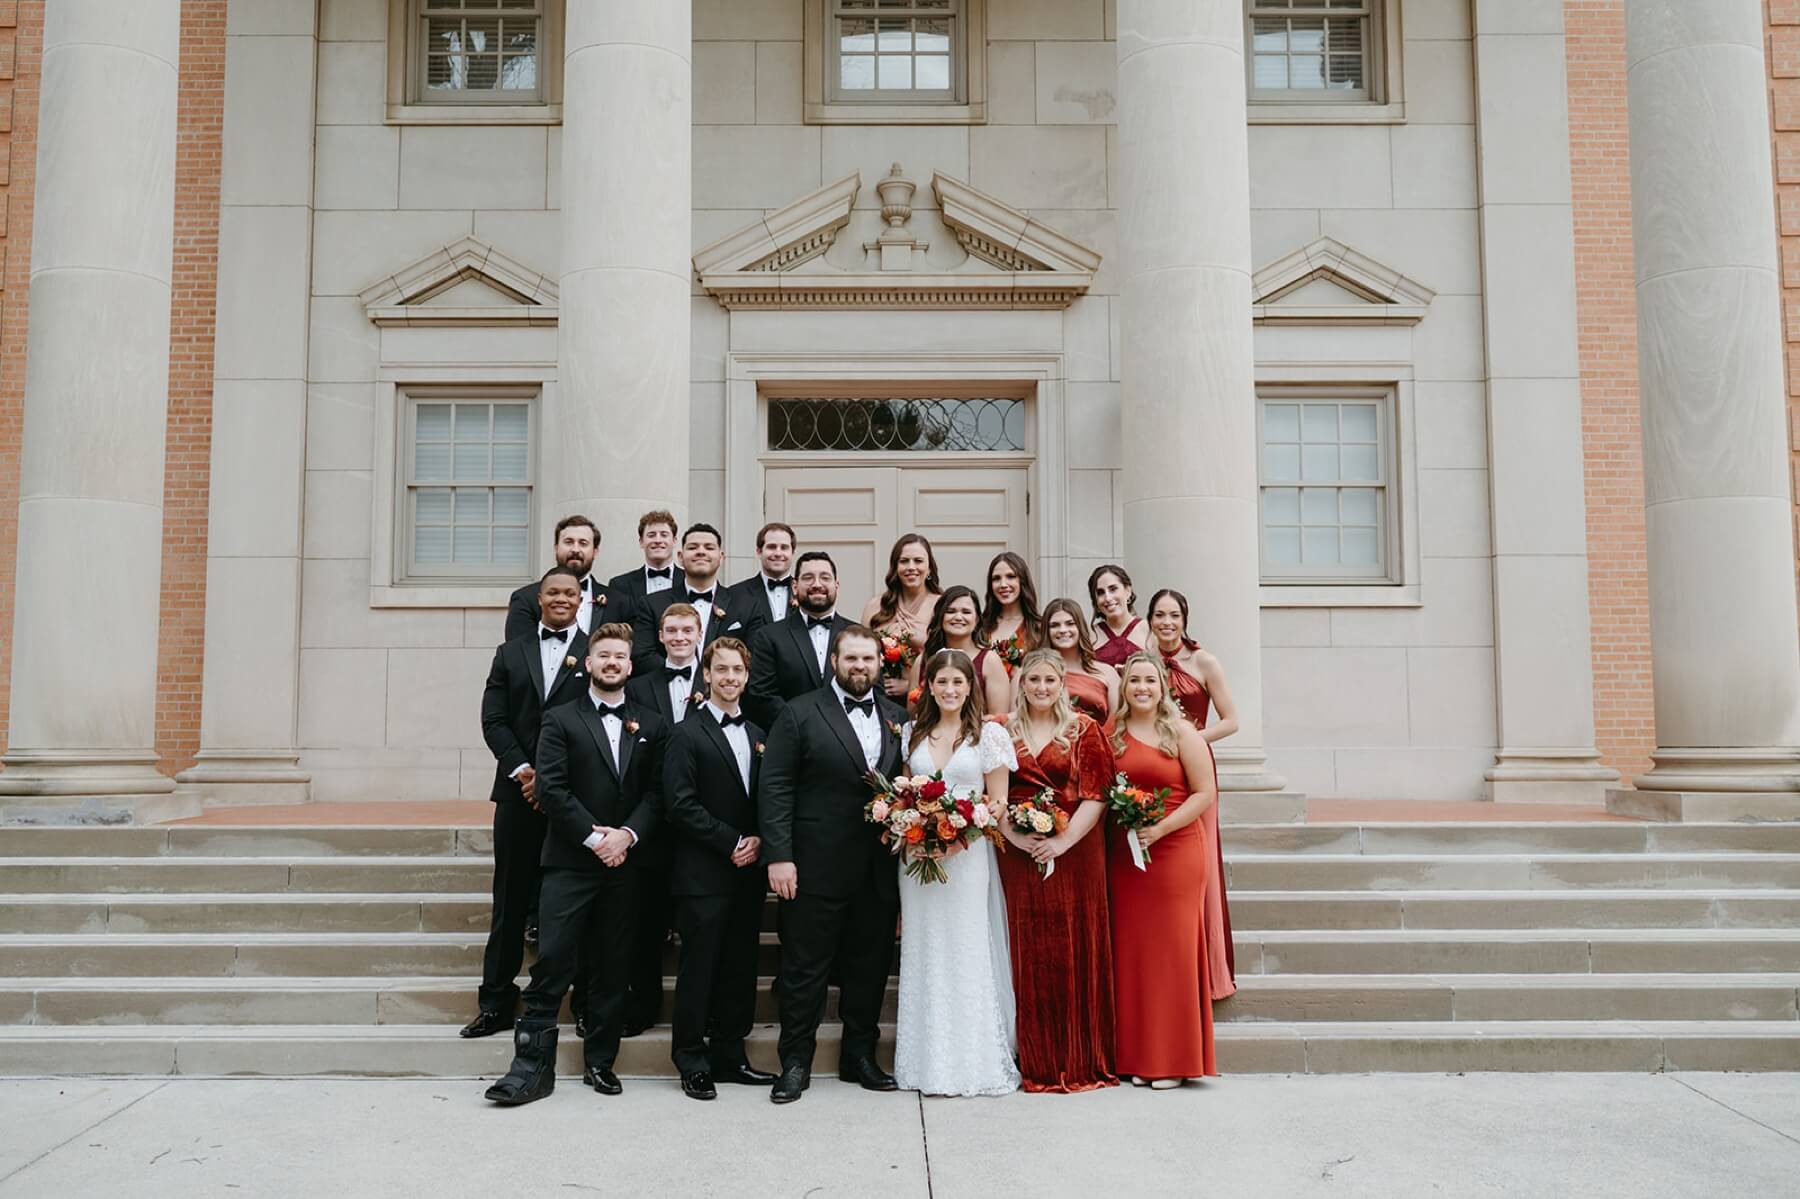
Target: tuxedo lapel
890	740
534	666
803	640
627	740
564	671
839	722
597	730
716	735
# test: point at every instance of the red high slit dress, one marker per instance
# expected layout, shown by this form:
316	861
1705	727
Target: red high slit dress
1191	694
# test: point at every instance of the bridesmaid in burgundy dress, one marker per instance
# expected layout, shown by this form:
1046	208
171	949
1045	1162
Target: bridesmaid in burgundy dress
1164	1032
1010	619
1198	681
953	625
1122	634
1061	948
1093	685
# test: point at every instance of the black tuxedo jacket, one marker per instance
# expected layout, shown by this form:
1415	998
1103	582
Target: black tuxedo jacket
647	650
651	691
750	602
513	703
580	785
813	787
632	582
522	613
708	808
783	667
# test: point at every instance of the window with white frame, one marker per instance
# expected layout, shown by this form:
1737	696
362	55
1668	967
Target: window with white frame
895	61
467	481
1314	51
475	61
1326	485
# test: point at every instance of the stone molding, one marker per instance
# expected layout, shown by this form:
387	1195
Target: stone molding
400	298
1015	261
1387	296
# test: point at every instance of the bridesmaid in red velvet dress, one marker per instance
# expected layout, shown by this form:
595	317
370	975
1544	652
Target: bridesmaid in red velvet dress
1093	685
1197	680
1164	1033
1061	949
1122	634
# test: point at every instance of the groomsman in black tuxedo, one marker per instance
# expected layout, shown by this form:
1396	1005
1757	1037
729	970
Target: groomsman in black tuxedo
669	685
836	880
789	658
660	572
599	763
710	783
576	542
701	556
531	674
763	598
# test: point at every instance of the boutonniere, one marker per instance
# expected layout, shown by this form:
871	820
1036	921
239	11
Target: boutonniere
893	728
697	697
600	599
758	748
718	612
569	662
631	726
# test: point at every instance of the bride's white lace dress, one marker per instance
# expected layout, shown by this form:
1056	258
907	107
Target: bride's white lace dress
955	1034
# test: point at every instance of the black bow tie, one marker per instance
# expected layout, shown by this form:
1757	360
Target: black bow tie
606	710
867	706
777	584
818	622
678	672
553	634
700	597
652	572
726	722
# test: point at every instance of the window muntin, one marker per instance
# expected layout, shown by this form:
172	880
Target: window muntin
1326	494
1312	51
895	51
991	425
479	51
468	486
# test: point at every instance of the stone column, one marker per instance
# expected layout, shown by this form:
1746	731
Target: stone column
1543	658
1189	415
96	393
1720	537
616	439
249	749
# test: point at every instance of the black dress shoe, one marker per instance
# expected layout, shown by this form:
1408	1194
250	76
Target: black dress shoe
634	1028
793	1081
486	1023
867	1075
698	1085
604	1081
746	1076
581	1027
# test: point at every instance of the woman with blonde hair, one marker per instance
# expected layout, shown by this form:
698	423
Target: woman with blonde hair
1164	1029
1056	921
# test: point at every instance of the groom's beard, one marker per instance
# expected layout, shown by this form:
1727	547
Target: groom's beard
856	682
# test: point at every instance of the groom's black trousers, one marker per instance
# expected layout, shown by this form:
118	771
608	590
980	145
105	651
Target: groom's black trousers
847	939
586	920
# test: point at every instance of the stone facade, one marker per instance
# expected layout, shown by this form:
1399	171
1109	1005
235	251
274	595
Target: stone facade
1462	248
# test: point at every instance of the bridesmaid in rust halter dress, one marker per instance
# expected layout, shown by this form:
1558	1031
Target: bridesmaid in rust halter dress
1198	682
1164	1030
1061	942
1122	634
1093	685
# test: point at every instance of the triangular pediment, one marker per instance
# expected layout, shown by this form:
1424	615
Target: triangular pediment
1001	257
465	283
1328	283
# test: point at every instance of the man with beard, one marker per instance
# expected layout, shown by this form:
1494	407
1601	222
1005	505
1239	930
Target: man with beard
788	659
763	597
836	881
599	762
531	674
576	543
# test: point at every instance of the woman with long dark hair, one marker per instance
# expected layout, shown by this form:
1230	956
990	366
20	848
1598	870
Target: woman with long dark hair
953	625
1093	685
1122	633
1010	617
904	608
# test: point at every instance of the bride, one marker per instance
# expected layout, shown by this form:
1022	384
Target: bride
955	1032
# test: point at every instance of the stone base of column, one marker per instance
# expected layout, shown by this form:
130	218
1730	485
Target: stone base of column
1550	776
1704	807
1715	784
230	778
50	787
1250	794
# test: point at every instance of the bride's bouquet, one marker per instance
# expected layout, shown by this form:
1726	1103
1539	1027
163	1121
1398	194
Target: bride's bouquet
1135	808
923	817
1040	815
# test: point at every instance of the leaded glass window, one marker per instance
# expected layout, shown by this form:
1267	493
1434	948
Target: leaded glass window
895	51
480	51
898	425
1312	50
1325	492
468	479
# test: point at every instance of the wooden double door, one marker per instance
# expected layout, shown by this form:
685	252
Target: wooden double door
855	513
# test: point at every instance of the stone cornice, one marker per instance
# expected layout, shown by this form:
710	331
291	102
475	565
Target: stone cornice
400	298
1377	294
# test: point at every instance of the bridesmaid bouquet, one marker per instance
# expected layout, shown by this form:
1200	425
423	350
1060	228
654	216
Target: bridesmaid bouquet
1011	650
923	817
898	653
1040	815
1135	808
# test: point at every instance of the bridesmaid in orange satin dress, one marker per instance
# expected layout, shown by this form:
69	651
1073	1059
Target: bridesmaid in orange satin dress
1199	682
1164	1032
1122	634
1093	685
1061	942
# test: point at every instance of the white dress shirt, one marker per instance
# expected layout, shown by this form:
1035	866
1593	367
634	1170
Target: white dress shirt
820	636
868	728
614	725
584	615
552	651
656	583
778	596
738	736
705	609
681	690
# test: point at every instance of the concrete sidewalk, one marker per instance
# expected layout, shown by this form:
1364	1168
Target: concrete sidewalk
1391	1136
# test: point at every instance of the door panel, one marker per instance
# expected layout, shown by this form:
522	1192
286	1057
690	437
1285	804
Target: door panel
969	515
850	513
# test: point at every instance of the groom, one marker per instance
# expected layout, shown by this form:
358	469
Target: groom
835	879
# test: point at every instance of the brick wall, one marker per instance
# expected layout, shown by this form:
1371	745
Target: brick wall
187	452
21	48
1783	18
1606	315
